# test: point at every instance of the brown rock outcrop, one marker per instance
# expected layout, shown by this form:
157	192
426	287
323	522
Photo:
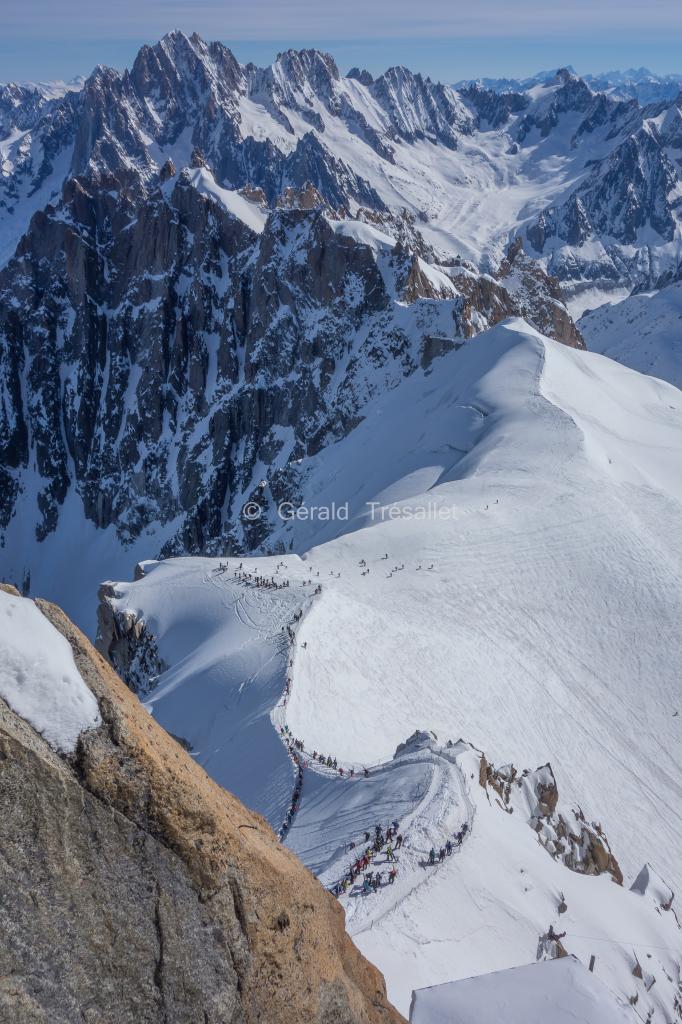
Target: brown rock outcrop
134	889
538	296
579	844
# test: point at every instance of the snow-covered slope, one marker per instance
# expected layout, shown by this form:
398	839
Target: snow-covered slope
555	580
563	991
643	331
38	677
528	499
500	901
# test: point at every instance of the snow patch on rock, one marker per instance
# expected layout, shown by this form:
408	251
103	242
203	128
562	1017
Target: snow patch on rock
38	676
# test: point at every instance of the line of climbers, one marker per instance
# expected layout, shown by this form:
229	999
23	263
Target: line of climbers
331	762
296	797
321	759
372	880
446	851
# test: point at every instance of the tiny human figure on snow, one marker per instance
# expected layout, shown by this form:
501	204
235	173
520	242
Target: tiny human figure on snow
399	841
441	854
432	856
392	875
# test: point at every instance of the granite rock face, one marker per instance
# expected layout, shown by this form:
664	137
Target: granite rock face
135	889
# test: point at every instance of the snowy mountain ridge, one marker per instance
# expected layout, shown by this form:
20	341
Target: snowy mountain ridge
559	474
362	142
634	83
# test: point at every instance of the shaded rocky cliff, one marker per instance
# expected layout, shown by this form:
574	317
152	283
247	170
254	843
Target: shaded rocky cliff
160	357
135	889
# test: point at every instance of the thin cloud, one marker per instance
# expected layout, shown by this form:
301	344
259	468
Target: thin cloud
309	20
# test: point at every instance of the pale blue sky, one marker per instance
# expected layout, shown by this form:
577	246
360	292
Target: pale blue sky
448	39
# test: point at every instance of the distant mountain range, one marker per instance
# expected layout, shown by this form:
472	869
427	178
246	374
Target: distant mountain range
636	83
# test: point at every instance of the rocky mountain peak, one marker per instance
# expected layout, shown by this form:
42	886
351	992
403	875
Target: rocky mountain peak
361	75
565	75
305	198
313	67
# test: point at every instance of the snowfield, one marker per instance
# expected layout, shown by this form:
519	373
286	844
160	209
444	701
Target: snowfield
643	332
527	496
38	676
490	907
561	991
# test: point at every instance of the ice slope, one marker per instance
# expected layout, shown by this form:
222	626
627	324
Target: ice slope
644	332
487	906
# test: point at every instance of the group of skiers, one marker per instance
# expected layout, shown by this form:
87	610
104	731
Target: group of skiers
446	851
373	880
270	583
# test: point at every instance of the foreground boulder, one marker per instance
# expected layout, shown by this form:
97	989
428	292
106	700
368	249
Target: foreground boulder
133	889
